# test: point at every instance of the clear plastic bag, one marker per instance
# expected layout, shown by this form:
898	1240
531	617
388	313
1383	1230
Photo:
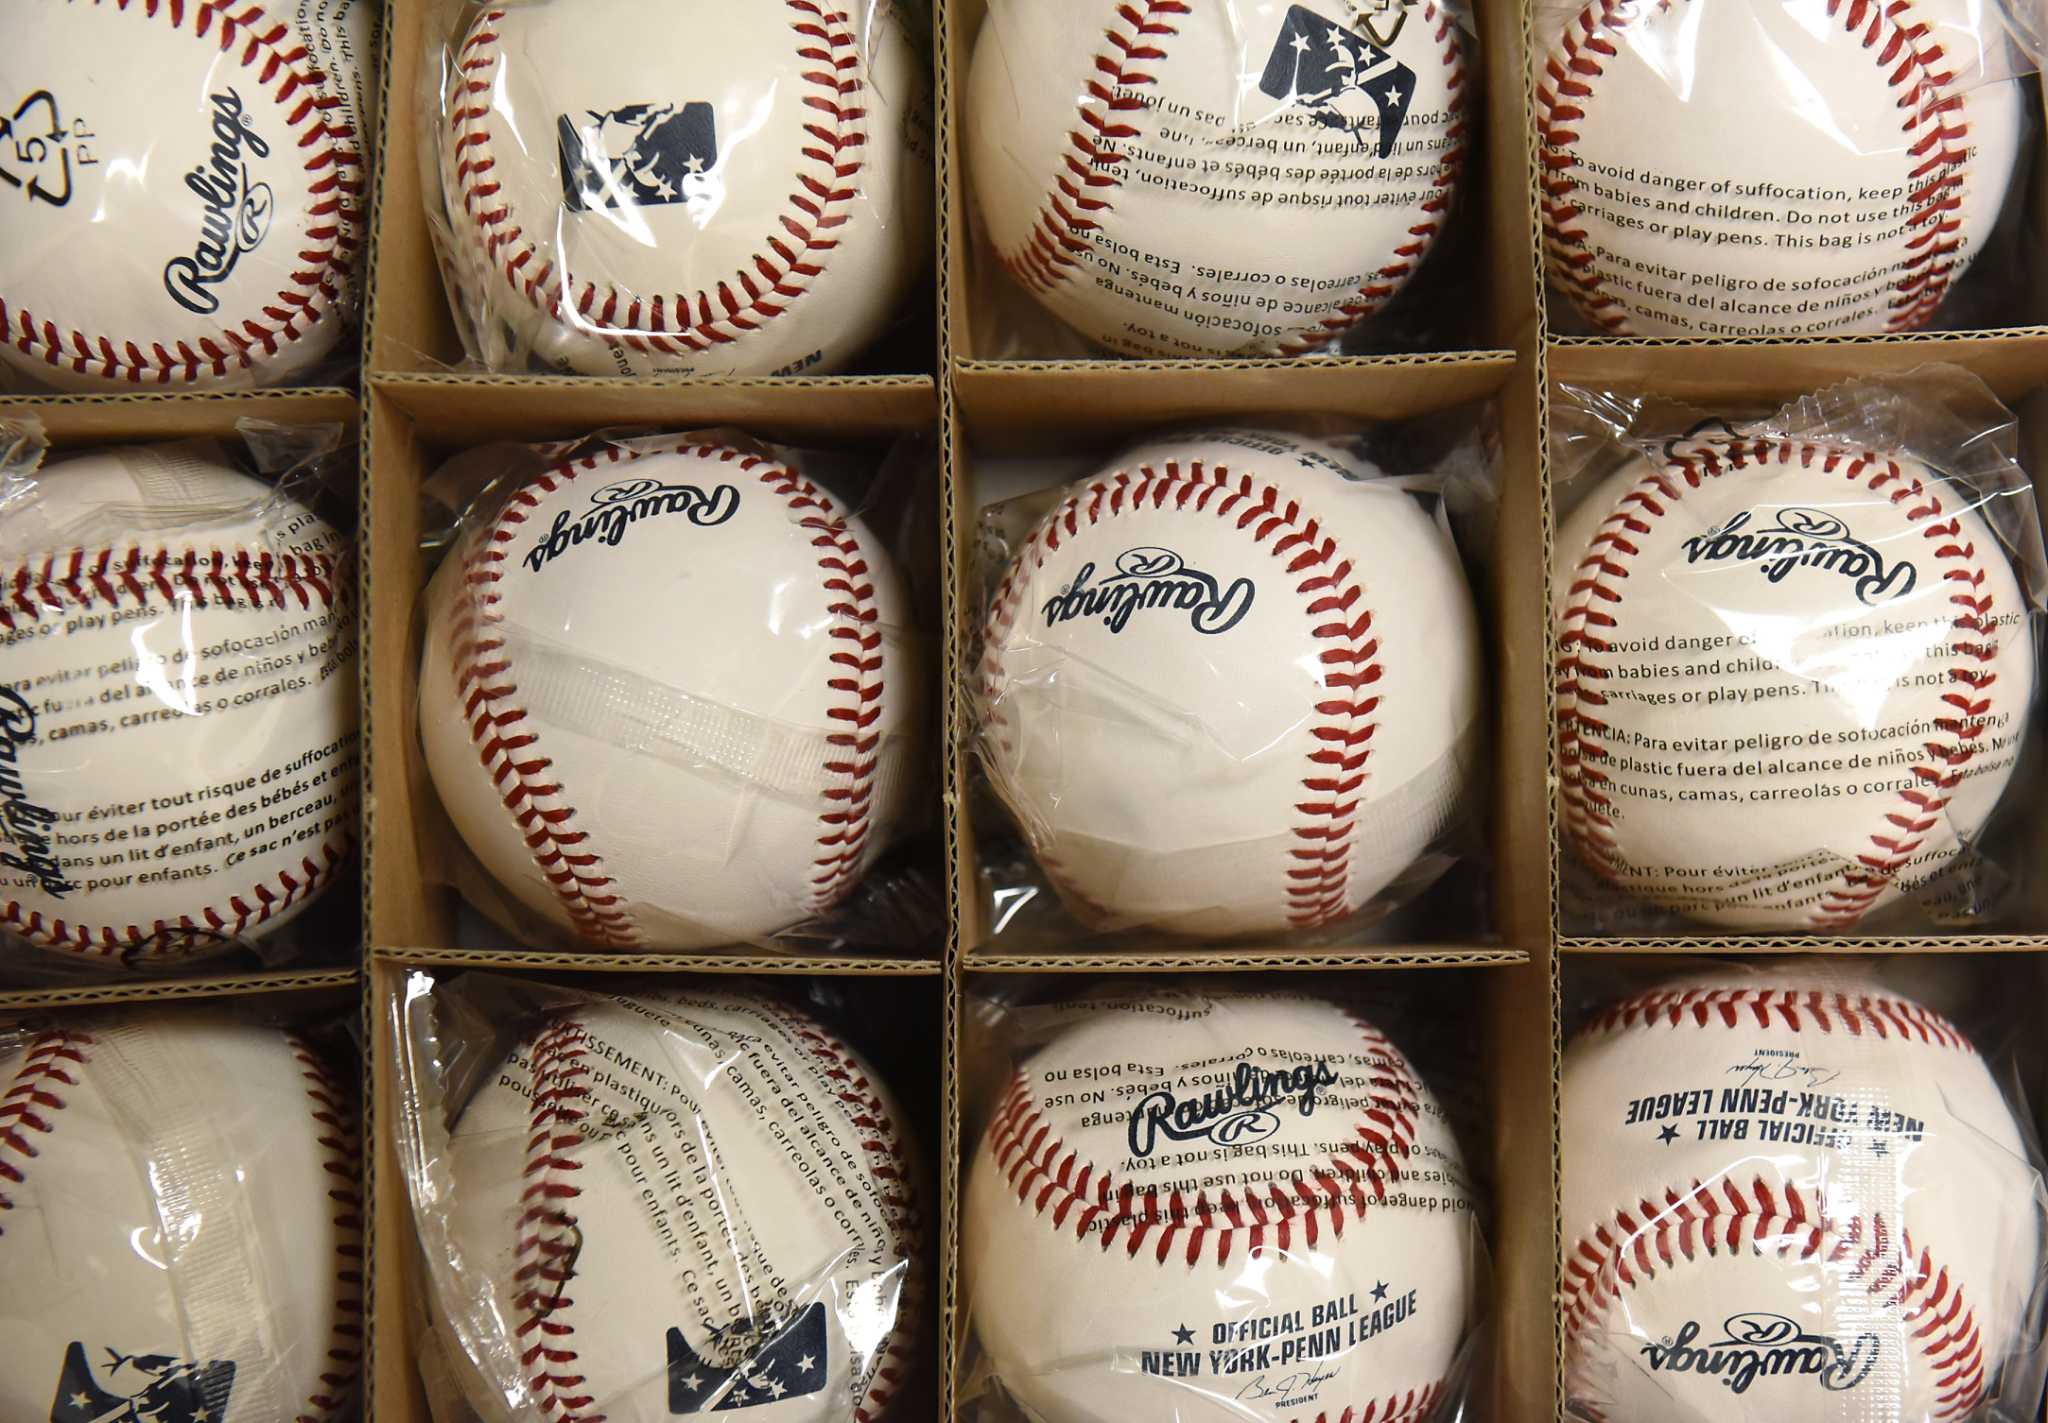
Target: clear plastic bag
1793	1191
1717	168
1211	1201
1230	686
691	1199
200	230
178	702
1796	658
636	186
180	1221
1253	178
673	691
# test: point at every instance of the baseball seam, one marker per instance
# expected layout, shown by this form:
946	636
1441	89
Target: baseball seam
1082	194
1788	1009
1081	1199
1936	159
335	1118
218	579
548	1236
790	257
314	290
889	1162
49	1068
1595	593
1318	887
508	745
1702	1220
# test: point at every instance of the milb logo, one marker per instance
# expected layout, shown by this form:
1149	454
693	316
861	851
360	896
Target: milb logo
1343	80
644	155
141	1388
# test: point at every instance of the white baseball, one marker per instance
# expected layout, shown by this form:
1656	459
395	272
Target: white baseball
648	185
1792	679
1229	685
180	1224
1181	179
1219	1207
177	705
669	695
198	230
1789	1197
689	1201
1771	167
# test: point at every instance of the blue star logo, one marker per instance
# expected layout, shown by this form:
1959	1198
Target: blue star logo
1668	1135
1379	1291
1183	1335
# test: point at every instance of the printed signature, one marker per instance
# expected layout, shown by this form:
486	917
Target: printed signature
1770	1069
1296	1387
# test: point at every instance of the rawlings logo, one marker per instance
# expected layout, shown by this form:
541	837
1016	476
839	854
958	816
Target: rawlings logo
236	214
1340	79
23	821
1804	538
1238	1112
617	507
1151	578
1754	1346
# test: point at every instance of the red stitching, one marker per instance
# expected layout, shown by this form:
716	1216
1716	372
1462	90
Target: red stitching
1341	738
1935	159
49	1067
1080	1198
1409	1407
1595	592
769	281
203	578
548	1235
888	1159
508	745
1083	194
334	1114
313	293
1791	1009
1703	1220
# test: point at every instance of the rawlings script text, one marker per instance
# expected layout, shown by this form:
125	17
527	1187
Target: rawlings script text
1754	1346
21	819
1151	578
236	212
1804	538
617	507
1236	1113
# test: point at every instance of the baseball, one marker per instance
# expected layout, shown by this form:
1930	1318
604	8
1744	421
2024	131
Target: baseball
1231	685
669	695
1790	1197
679	1203
1217	1207
1771	167
198	230
1177	179
177	706
180	1224
649	185
1792	679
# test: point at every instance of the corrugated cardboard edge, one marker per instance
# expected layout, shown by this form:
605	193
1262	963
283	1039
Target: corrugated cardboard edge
158	990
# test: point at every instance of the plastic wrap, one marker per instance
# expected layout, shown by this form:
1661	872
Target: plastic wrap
1231	685
698	1196
1211	1202
1794	1194
634	186
673	693
1796	658
199	230
181	1226
1762	168
1251	178
178	741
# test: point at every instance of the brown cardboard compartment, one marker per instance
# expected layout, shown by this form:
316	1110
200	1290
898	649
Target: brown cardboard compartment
78	422
410	326
394	1389
1759	378
415	424
1496	310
